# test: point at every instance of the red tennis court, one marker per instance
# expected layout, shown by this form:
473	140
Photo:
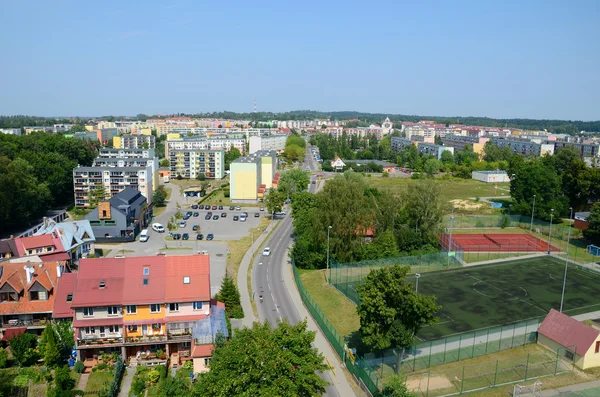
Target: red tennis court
496	243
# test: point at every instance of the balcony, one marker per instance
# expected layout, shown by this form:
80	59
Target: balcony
90	342
179	335
144	340
23	323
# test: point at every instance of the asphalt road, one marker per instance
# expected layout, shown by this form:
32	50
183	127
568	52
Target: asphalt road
267	278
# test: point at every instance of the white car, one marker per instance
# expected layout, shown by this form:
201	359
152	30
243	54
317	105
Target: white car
267	251
243	218
157	227
144	236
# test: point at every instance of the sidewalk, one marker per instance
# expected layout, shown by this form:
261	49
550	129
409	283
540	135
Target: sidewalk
242	280
338	377
83	380
126	381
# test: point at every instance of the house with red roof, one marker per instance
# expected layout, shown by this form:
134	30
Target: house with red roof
575	340
27	293
146	309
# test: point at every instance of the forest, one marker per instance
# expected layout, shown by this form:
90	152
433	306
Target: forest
36	174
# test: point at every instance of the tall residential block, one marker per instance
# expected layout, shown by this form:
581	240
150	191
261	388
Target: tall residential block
191	163
267	142
134	142
177	142
252	175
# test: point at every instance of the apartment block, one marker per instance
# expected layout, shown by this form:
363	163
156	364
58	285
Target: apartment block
147	309
524	147
134	141
584	149
252	175
110	157
190	163
10	131
267	142
201	143
29	130
433	149
458	142
398	143
113	179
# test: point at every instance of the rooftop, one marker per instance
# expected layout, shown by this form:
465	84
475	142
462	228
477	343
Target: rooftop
568	332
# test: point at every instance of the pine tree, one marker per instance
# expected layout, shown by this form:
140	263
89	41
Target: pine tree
97	194
50	351
230	296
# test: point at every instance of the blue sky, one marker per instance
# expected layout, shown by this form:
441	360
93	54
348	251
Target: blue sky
530	59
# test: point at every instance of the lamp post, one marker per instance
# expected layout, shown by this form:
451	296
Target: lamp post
550	231
562	296
417	276
327	275
450	241
532	210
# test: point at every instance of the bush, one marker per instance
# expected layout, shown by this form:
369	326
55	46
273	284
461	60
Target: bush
153	376
162	371
101	367
79	367
3	358
188	364
138	386
226	193
385	175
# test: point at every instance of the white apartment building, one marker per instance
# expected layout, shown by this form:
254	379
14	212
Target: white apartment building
190	163
267	142
10	131
114	180
129	158
134	141
201	143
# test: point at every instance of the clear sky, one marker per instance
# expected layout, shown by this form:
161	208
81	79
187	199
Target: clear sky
526	58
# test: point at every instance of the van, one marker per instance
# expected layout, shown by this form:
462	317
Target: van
144	235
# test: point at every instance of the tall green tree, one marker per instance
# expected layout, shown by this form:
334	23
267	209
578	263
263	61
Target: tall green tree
391	311
97	194
275	200
48	347
422	210
22	347
159	198
262	361
592	233
293	181
230	296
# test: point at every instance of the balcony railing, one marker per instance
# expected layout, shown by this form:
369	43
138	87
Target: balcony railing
146	339
179	335
96	341
23	323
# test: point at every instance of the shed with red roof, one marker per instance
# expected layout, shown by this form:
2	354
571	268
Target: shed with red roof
572	339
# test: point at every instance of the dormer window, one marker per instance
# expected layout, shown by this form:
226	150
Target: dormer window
102	284
186	279
146	271
69	297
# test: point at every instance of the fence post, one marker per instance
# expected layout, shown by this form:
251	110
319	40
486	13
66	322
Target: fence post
512	343
487	340
445	345
473	346
527	366
496	373
462	383
556	364
459	343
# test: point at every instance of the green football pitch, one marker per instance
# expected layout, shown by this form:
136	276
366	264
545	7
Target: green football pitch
502	293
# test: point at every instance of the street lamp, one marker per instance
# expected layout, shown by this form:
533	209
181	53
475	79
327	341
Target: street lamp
450	241
417	276
562	297
327	271
550	231
532	209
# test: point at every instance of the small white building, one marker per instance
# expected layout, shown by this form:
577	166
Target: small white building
337	163
490	176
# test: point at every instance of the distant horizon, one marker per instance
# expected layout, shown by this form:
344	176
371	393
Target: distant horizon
424	117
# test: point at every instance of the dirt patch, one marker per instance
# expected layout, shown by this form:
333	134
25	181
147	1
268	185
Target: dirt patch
434	382
468	205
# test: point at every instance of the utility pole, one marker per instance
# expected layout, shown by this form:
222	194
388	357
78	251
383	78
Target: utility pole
562	297
532	210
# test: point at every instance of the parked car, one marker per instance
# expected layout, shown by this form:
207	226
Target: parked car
157	227
262	208
196	213
199	236
243	218
231	208
201	207
210	236
214	207
182	224
215	217
267	251
223	214
176	236
194	206
220	208
256	215
186	217
238	208
196	227
208	216
245	214
189	213
144	235
236	218
185	236
314	182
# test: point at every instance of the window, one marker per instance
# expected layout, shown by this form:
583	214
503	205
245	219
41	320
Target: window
156	327
146	271
89	330
34	296
43	295
145	281
6	297
103	213
186	345
173	307
186	279
102	284
197	305
206	362
113	310
88	312
155	308
132	328
38	250
131	309
69	297
113	329
597	347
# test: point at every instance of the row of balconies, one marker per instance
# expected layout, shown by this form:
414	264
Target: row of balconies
108	339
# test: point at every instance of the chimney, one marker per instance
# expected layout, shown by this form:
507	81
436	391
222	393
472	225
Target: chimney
29	272
12	236
58	270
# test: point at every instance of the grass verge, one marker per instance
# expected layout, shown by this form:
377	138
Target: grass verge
97	380
340	311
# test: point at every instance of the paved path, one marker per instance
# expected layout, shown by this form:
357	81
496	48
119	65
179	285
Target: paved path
126	382
83	381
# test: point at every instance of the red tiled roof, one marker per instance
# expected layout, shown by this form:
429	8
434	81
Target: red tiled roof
14	275
66	285
568	332
96	322
54	256
197	268
9	333
202	351
91	272
134	291
44	240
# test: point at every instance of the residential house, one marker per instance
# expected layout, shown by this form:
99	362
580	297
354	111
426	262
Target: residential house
8	249
48	247
77	237
27	291
63	297
134	141
140	306
575	341
122	217
337	164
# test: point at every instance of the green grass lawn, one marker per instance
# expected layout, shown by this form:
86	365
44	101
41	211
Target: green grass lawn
98	380
340	311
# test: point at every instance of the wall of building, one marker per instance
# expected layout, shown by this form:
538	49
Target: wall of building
556	347
200	365
266	172
244	181
99	313
143	313
187	309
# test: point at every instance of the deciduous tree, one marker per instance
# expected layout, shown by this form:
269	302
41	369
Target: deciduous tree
22	347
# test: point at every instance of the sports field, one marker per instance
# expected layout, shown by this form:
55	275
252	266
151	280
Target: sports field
502	293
